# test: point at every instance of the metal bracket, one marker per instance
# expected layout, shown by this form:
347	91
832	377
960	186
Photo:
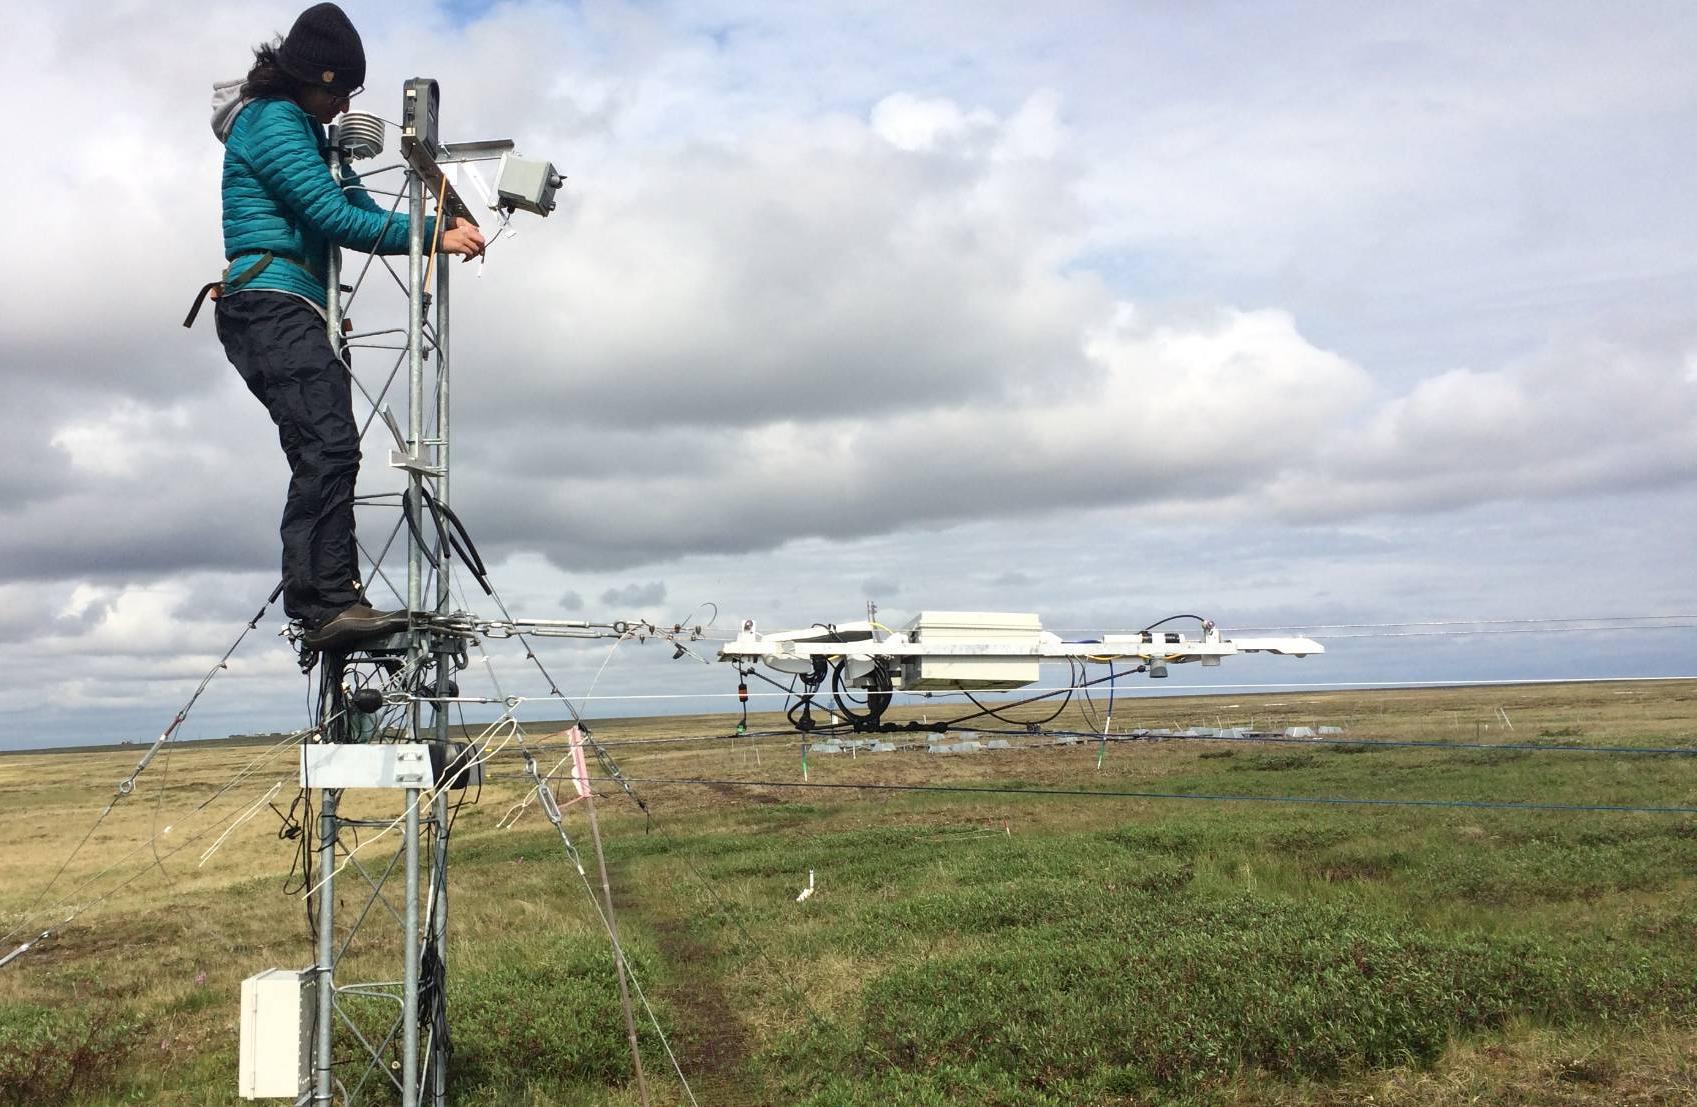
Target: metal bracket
389	765
418	157
489	149
412	464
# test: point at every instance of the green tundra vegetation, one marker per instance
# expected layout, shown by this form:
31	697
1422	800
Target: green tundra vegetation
1146	942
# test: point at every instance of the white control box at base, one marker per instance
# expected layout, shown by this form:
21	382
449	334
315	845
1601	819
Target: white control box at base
279	1011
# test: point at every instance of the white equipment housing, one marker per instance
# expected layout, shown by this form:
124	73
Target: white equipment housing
979	650
278	1011
930	672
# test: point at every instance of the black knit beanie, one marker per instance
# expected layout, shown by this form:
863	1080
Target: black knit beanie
323	49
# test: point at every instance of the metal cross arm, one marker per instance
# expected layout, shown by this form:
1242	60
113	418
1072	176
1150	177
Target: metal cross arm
466	624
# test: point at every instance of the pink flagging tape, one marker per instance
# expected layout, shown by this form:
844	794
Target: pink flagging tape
580	768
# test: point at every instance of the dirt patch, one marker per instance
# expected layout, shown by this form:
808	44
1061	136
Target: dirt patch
710	1041
743	792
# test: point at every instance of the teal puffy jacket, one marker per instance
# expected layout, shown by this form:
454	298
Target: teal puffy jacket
279	196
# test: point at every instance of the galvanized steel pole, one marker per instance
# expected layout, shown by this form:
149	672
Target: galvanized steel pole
409	987
439	937
323	1030
443	549
416	646
439	856
324	1027
415	397
333	266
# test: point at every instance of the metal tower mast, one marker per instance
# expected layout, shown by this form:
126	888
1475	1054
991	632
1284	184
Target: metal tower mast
367	1021
380	1032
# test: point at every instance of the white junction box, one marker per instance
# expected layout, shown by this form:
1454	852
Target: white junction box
381	765
990	631
279	1009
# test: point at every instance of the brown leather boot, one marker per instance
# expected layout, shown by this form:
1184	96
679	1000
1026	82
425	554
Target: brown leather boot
359	620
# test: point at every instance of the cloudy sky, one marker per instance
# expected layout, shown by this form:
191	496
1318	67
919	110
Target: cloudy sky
1284	313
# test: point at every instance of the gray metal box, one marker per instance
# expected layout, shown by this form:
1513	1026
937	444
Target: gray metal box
526	185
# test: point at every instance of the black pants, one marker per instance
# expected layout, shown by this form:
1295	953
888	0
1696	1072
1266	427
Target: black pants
279	345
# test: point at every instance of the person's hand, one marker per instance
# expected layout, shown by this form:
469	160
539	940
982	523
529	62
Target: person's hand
462	238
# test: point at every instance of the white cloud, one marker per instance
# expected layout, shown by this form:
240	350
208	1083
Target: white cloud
128	436
1594	416
914	123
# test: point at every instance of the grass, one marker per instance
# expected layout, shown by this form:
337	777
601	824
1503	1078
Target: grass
960	948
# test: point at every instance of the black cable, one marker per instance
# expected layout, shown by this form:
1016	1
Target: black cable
1075	685
871	719
432	971
294	829
460	539
1169	619
994	714
433	1003
742	697
810	683
478	797
877	696
409	511
1090	703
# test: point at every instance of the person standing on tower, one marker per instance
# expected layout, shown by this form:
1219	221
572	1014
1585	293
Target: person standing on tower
283	212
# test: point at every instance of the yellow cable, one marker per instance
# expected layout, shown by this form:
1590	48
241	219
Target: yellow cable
441	224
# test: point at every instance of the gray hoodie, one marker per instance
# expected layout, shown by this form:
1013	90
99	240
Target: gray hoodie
227	103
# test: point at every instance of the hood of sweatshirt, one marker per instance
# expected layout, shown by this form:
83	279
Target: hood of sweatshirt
227	103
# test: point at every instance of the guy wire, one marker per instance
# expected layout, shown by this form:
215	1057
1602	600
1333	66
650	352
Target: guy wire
126	786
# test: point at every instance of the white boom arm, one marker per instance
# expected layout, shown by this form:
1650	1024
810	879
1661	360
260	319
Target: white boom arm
956	650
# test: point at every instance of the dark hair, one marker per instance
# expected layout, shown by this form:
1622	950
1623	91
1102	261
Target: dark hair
266	80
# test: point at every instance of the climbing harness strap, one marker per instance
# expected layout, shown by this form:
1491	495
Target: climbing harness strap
224	284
